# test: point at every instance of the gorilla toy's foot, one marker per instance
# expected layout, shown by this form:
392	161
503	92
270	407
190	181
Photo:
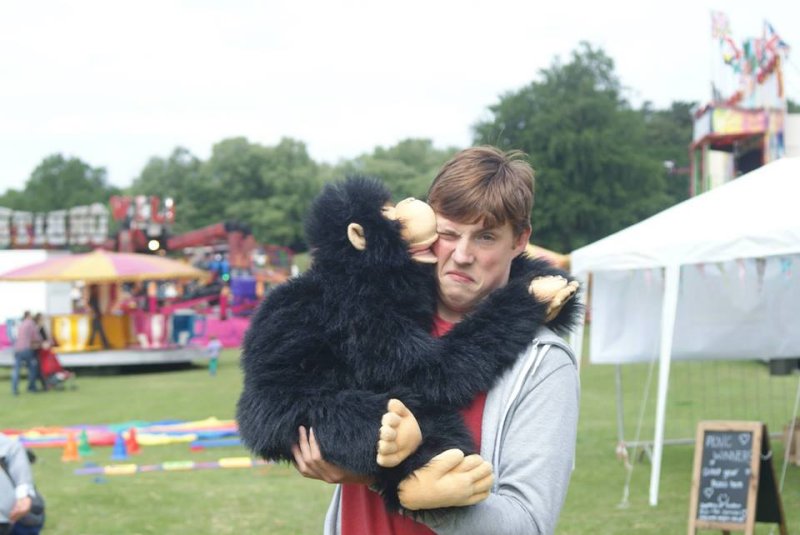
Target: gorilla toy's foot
400	435
448	480
553	290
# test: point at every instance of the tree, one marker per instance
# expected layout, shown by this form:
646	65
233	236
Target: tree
407	167
594	174
266	188
58	183
12	198
269	188
667	137
179	177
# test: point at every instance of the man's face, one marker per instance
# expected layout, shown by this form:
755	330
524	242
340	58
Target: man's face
472	261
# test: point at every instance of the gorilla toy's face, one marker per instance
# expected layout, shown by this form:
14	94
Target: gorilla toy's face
353	227
418	228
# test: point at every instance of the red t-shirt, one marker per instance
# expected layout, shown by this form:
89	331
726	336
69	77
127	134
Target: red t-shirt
363	512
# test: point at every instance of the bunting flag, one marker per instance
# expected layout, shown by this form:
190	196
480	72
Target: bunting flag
786	267
726	280
731	53
720	25
761	267
741	268
772	41
702	269
756	56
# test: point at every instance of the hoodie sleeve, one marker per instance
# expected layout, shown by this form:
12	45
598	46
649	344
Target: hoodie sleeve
536	461
19	469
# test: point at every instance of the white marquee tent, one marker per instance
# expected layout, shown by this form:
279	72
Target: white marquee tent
717	276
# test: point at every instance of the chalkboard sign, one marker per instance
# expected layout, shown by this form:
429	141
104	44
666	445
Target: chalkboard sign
734	481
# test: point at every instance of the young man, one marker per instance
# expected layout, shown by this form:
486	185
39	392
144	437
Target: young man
526	425
213	349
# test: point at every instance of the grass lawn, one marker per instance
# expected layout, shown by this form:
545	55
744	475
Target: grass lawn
275	500
269	499
596	489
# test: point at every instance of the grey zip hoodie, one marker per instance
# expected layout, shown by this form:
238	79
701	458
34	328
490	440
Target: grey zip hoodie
529	427
18	482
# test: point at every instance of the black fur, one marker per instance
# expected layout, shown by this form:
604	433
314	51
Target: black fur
329	348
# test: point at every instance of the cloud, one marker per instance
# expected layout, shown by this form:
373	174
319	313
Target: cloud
116	84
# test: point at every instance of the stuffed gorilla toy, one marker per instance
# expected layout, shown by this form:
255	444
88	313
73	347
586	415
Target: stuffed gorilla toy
328	349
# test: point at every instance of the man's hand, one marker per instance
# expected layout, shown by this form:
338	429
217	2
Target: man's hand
554	290
21	508
400	435
309	462
448	480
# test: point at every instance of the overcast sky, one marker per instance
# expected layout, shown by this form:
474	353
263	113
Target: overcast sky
116	83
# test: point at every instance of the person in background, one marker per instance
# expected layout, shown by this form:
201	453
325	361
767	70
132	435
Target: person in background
97	316
483	199
16	483
213	348
125	302
139	293
25	346
44	346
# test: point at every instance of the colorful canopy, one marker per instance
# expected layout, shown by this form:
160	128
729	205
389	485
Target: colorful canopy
104	266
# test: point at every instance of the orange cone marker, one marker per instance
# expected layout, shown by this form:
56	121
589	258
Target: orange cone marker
70	449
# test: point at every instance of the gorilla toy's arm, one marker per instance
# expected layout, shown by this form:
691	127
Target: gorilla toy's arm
453	369
290	380
465	362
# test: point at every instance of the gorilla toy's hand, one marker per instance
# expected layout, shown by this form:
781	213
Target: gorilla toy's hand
400	435
553	290
448	480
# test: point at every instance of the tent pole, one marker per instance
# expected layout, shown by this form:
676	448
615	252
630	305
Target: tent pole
620	406
576	336
671	282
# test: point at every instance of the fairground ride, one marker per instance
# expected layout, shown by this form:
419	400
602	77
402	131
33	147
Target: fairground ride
744	125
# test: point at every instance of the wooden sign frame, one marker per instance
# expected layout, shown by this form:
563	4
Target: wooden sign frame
762	473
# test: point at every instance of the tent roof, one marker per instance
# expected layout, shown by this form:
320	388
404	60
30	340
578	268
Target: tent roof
104	266
756	215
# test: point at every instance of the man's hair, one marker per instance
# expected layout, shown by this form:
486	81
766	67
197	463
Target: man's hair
26	314
485	183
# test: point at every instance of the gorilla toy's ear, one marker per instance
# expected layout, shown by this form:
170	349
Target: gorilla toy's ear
355	233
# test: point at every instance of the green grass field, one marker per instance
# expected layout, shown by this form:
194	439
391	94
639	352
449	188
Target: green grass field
275	500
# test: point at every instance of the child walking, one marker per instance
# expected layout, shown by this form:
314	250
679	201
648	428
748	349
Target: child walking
213	348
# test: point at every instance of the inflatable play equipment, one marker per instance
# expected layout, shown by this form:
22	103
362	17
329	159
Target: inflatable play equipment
170	466
147	433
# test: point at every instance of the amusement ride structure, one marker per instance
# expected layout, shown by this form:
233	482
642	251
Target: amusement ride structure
152	307
743	126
